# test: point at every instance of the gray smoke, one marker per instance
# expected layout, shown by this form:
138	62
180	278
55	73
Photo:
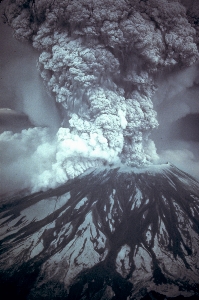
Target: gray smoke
102	61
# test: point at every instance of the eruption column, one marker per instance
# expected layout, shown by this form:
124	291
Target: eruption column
99	60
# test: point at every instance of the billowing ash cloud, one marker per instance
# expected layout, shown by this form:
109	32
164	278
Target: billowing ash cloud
100	59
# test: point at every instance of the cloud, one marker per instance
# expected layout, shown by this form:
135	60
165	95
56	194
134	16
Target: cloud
22	158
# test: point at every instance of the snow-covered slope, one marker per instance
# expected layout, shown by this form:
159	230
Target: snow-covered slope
108	234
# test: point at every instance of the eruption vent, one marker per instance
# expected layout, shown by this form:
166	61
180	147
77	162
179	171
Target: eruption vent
99	59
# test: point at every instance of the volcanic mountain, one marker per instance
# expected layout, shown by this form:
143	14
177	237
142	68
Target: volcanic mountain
111	233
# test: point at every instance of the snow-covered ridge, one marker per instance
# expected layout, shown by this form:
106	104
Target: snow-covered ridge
149	169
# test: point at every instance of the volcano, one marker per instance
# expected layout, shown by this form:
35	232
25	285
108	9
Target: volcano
110	233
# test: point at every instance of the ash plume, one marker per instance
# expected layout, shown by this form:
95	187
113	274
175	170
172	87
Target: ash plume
101	60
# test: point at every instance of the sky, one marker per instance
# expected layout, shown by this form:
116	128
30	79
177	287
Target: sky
21	86
177	104
23	90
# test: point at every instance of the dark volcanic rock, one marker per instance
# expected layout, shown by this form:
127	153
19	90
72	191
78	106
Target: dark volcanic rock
107	234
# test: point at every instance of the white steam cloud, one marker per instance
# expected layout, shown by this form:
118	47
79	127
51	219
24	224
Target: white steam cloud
100	60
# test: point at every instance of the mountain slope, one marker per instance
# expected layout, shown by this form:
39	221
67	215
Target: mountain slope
108	234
